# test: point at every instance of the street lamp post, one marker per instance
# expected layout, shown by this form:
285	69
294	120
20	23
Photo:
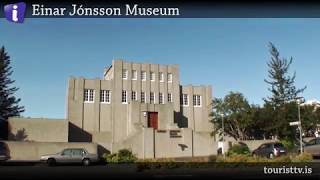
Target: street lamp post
300	126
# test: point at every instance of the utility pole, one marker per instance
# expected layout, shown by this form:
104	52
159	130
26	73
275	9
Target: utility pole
222	117
300	126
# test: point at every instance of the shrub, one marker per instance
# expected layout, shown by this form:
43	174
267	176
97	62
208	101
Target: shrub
234	158
239	149
257	159
289	144
111	158
282	159
212	158
143	164
163	163
305	157
239	158
169	164
126	156
123	156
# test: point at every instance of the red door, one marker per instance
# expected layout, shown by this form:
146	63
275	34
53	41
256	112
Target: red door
153	120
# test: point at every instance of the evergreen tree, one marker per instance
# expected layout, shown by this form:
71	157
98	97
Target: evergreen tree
281	105
9	104
282	88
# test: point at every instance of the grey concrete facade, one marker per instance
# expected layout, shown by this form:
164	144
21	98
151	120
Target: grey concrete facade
142	107
37	129
121	120
32	151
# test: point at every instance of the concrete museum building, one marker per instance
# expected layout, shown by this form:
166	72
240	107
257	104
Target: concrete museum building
141	107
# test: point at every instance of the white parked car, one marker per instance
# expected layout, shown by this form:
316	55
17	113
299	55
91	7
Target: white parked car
70	155
313	147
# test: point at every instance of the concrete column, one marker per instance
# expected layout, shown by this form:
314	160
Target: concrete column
96	118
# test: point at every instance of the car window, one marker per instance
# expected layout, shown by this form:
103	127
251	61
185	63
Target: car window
76	152
317	141
67	152
268	145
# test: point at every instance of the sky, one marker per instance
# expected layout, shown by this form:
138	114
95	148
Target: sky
228	54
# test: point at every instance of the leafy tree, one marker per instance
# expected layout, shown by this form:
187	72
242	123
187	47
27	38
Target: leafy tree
310	117
238	116
8	102
280	106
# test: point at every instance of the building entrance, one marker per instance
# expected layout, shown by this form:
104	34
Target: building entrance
153	120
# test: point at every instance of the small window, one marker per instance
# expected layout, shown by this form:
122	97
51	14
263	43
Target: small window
169	97
151	97
185	100
134	75
160	98
89	95
152	76
161	78
170	77
196	100
105	96
134	95
124	74
124	97
143	75
143	97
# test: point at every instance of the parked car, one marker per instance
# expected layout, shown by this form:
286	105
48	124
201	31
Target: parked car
270	150
4	155
313	147
71	155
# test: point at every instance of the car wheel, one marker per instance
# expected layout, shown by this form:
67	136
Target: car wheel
271	156
86	162
51	162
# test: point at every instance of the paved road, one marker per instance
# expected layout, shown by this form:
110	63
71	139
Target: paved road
130	172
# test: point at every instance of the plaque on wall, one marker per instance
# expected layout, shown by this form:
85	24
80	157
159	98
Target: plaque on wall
175	134
161	131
